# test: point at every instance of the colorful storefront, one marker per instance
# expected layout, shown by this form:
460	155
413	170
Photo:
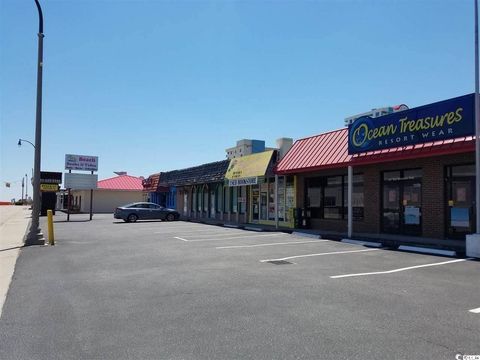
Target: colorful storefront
412	176
260	196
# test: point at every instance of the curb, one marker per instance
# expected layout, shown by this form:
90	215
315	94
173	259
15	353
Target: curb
363	243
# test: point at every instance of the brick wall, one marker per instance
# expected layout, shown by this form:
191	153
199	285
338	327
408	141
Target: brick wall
433	194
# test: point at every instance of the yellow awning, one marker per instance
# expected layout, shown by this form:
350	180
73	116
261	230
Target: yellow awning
248	166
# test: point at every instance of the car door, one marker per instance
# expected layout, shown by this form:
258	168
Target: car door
156	211
143	211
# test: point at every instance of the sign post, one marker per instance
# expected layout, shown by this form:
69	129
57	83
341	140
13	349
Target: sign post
91	202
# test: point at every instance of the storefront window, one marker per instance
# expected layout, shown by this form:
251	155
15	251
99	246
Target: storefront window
194	199
463	170
234	194
271	199
281	198
314	197
333	198
264	200
242	199
219	198
226	199
327	197
212	203
255	202
290	198
205	199
199	200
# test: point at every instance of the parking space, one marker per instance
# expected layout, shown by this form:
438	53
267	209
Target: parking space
195	291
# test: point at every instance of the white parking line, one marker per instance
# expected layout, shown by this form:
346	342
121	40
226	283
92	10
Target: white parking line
475	311
320	254
179	238
206	236
228	238
398	270
258	245
192	231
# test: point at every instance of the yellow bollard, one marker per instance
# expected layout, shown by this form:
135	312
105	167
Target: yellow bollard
51	237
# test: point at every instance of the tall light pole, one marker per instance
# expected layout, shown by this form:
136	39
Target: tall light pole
20	142
35	237
26	188
473	240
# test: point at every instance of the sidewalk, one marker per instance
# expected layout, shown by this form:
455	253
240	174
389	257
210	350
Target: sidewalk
14	222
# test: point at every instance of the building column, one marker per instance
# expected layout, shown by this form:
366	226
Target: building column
350	208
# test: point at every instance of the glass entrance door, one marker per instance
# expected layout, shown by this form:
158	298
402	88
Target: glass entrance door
391	208
402	202
460	201
255	203
412	207
263	205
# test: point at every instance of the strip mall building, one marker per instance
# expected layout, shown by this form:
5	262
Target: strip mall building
413	176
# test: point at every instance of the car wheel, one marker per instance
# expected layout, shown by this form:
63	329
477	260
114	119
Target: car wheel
132	218
170	217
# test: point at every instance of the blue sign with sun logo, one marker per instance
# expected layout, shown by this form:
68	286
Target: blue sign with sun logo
443	120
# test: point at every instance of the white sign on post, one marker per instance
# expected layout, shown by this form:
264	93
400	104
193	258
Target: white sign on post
80	181
81	162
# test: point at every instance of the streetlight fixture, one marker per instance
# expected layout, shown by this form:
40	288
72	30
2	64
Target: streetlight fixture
35	237
20	142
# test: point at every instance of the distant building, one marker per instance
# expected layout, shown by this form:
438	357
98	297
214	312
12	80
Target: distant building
374	113
246	147
110	193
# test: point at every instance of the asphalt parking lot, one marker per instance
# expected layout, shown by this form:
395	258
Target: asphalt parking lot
180	290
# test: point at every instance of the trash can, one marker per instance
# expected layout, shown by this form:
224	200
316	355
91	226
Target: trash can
298	218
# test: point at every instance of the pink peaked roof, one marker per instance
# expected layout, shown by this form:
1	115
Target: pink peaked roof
122	182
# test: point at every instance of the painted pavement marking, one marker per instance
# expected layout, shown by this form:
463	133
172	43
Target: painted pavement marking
400	269
319	254
475	311
271	244
229	238
179	238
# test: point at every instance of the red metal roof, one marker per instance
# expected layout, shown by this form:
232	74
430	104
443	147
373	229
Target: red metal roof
151	183
122	182
330	150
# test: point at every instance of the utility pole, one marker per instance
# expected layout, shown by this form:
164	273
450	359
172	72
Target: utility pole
35	237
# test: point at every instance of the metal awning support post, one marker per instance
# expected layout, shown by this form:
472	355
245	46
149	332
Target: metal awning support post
350	208
473	240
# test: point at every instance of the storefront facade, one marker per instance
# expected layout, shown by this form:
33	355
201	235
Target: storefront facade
418	190
258	195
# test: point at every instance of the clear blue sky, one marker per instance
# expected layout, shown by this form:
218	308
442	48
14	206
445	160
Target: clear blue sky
152	86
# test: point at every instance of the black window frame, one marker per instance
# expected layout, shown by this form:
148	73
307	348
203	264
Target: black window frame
318	212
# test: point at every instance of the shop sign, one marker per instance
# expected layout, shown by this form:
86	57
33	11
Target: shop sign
49	177
439	121
249	166
81	162
242	182
81	181
49	187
